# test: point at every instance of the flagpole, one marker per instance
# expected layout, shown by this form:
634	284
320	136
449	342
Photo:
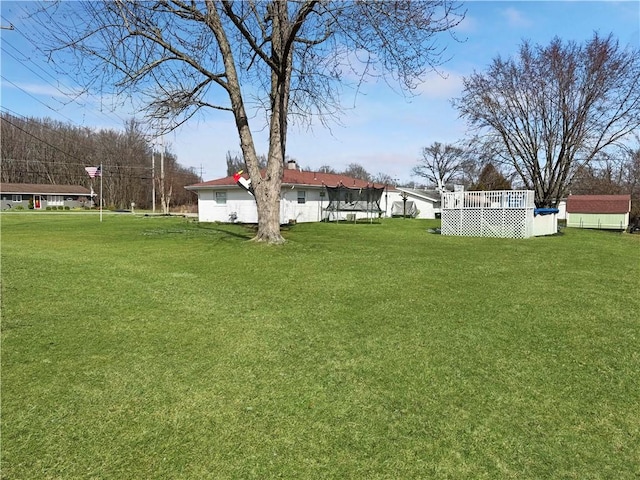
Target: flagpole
101	191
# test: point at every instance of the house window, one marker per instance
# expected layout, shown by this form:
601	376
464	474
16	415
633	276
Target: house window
16	198
55	200
221	198
302	196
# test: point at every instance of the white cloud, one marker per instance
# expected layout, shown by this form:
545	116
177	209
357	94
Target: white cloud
41	89
515	18
442	85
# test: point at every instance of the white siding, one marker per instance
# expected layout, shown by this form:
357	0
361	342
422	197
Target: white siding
310	211
425	207
243	205
239	203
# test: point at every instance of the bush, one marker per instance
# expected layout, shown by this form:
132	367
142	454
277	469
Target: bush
48	208
67	207
60	207
19	207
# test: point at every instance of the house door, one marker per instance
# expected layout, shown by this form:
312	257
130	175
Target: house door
37	202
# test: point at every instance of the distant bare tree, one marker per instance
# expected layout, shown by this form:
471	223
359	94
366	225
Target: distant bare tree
327	169
235	162
288	58
440	163
553	109
356	170
383	179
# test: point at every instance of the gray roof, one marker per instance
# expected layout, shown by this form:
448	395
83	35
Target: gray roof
40	189
429	195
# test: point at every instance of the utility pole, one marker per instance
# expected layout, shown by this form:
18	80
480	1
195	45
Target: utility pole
165	206
153	178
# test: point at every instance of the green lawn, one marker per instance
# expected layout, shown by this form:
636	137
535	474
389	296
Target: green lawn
158	348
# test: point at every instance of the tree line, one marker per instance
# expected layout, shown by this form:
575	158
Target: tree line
45	151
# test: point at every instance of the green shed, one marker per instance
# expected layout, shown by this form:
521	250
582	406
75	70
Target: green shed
598	211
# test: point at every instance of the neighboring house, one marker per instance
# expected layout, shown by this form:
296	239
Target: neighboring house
598	211
303	198
427	202
39	197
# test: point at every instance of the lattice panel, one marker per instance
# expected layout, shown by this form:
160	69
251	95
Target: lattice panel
450	222
488	222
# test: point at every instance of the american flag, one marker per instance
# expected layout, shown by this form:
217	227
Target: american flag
93	171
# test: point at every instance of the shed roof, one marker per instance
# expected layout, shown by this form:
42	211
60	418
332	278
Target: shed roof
598	203
296	177
43	189
429	195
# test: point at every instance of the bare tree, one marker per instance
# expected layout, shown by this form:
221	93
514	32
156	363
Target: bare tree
327	169
440	163
235	162
288	59
383	179
553	109
356	170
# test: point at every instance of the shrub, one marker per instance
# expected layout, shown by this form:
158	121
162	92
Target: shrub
19	207
60	207
67	207
48	208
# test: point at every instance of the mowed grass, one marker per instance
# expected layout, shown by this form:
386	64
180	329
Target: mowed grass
156	348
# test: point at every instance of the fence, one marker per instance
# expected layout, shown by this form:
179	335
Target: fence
500	213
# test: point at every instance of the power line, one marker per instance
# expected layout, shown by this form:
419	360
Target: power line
37	48
26	65
53	146
70	164
36	99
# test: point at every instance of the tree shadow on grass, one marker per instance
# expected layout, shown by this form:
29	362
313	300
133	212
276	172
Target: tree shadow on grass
240	231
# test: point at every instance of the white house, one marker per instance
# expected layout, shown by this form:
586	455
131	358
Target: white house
303	198
427	202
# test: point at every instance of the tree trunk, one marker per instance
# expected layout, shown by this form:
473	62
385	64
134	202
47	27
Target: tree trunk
267	188
268	205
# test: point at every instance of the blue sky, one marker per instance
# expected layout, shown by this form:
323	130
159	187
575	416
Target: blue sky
382	130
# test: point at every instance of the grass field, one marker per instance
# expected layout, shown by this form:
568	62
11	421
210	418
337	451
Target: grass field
158	348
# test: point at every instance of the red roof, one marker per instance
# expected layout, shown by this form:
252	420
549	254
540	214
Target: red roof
598	203
297	177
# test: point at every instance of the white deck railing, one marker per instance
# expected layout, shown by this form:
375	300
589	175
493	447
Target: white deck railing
488	199
495	213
